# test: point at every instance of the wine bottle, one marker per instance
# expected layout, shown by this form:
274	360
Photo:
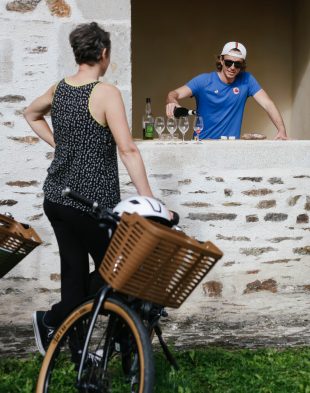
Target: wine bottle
180	111
148	121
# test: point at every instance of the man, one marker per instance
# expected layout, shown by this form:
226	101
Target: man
221	96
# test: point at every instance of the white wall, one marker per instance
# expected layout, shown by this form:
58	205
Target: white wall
34	54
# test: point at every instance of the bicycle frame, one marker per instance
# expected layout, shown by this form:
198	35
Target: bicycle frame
98	301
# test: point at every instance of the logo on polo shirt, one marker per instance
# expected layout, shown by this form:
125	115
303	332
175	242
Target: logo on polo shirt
236	90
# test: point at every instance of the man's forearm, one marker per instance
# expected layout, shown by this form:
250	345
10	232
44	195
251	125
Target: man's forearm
276	118
172	97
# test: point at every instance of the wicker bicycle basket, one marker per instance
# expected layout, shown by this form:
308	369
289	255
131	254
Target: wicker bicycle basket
16	241
156	263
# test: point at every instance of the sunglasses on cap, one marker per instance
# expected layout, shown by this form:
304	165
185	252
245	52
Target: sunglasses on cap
229	63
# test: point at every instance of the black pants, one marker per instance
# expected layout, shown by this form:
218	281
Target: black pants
78	235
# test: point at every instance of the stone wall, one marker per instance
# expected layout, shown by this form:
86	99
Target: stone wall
251	198
34	54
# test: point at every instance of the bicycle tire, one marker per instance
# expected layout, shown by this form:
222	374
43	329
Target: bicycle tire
132	364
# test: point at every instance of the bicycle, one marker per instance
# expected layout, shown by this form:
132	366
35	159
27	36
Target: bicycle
104	345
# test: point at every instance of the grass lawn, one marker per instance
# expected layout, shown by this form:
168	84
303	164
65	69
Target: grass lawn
212	370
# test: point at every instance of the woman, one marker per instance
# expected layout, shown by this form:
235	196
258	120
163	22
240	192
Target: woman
89	122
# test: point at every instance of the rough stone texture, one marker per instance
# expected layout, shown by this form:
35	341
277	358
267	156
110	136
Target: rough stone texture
25	139
212	288
266	204
256	286
59	8
302	219
234	238
302	250
252	218
256	250
22	5
21	183
12	98
258	192
211	216
293	200
253	179
7	202
228	192
276	217
281	239
275	180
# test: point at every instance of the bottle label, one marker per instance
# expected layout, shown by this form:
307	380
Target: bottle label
149	131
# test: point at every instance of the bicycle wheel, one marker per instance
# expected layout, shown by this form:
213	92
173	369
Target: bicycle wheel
119	358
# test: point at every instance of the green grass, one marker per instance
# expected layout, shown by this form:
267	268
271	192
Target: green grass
213	370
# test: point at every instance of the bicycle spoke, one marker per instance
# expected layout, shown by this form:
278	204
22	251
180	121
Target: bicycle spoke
113	363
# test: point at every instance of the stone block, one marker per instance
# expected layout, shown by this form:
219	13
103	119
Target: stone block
276	217
212	216
228	192
250	178
266	204
257	286
7	202
275	180
212	288
302	250
22	183
251	218
256	251
257	192
11	98
293	200
22	5
59	8
31	140
302	219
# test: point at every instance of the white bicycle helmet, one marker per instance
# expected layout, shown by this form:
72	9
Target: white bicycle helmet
144	206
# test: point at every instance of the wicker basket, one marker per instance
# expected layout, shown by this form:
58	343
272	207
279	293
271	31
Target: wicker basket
155	263
16	241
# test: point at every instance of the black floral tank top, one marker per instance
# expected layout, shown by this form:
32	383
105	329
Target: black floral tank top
85	155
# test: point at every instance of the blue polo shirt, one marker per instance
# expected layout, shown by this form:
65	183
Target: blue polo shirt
220	104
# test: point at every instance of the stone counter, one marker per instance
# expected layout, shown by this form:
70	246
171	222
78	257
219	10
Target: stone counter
251	198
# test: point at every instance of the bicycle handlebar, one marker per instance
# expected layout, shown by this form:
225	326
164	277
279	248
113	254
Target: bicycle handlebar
80	198
104	216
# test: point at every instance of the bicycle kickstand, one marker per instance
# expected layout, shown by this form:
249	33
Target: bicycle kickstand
165	348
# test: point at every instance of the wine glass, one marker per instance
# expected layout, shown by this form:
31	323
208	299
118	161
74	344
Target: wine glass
159	125
183	126
198	126
171	125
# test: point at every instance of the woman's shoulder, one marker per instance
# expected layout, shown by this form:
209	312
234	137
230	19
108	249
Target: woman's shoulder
107	88
106	92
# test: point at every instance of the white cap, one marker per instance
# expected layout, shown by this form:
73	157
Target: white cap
230	46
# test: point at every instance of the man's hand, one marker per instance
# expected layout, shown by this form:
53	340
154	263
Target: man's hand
170	108
174	96
281	136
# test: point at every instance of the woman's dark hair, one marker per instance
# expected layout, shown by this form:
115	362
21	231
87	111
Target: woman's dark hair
88	41
219	64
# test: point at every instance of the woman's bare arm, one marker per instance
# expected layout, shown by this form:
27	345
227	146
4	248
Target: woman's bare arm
35	112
